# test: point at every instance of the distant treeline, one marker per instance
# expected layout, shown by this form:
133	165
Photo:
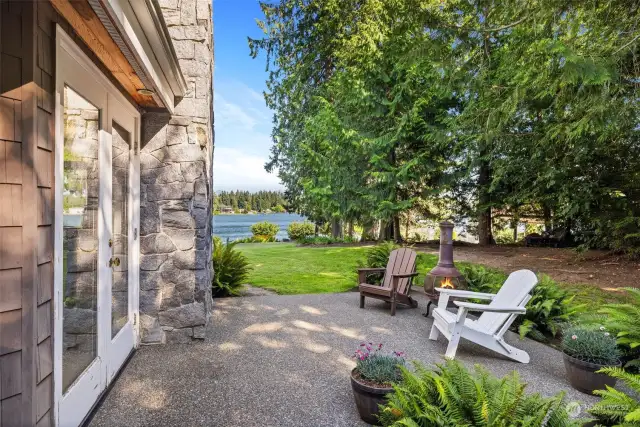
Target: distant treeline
245	201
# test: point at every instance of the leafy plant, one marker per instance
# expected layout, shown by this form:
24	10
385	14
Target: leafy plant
549	308
300	230
624	320
376	367
616	407
378	255
589	344
450	395
326	240
481	279
230	267
265	230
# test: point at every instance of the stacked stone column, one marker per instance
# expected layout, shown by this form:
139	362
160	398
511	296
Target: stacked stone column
176	193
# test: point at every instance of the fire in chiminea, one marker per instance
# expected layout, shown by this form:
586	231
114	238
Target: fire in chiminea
444	274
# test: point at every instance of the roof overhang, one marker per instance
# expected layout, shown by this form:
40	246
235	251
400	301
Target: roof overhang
139	30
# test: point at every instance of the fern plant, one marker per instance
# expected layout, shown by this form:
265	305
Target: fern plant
616	407
230	269
624	321
549	308
450	396
378	255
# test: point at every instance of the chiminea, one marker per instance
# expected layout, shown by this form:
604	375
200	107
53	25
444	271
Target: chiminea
444	274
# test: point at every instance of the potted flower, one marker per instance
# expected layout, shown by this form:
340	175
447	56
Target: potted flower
586	350
372	379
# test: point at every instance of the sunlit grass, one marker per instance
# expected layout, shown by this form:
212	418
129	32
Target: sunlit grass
289	269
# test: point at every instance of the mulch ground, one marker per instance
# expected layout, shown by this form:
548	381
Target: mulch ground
598	268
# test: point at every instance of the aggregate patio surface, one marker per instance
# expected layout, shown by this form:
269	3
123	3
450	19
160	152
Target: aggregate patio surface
285	361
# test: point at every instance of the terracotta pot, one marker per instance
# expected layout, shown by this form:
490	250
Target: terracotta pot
582	375
368	398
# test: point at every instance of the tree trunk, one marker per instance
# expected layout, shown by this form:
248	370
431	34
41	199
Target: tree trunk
317	229
386	231
336	228
406	234
397	233
546	213
485	236
350	230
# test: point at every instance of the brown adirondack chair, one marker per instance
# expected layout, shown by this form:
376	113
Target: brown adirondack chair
396	284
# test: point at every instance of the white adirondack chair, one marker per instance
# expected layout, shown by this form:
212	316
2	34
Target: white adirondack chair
494	321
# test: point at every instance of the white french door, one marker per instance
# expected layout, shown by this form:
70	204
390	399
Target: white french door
96	247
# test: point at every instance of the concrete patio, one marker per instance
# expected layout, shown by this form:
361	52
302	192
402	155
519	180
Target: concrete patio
285	360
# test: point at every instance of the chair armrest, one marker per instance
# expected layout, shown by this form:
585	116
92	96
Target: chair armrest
465	294
484	307
362	273
404	276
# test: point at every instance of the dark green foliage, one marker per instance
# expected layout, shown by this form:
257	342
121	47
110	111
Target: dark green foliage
300	230
619	408
378	255
247	201
265	230
326	240
485	107
230	267
624	321
549	308
373	365
451	396
590	344
482	279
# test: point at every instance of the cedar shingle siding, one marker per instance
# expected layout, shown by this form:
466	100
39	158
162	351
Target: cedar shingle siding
27	84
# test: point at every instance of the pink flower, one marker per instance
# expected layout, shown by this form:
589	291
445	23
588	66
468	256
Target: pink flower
574	337
379	346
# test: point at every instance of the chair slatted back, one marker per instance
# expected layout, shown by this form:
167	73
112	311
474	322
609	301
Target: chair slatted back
401	261
512	294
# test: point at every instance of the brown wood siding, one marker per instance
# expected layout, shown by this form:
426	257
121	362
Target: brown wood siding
26	215
27	76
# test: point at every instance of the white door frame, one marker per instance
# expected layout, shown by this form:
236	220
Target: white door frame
106	364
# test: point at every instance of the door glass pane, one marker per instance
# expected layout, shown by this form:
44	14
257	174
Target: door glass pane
120	239
80	235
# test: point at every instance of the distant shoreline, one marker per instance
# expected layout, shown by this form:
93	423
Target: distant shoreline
253	213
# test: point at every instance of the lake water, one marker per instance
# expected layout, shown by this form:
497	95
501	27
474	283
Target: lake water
237	226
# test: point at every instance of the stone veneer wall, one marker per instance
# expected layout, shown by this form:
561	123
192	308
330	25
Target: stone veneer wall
176	189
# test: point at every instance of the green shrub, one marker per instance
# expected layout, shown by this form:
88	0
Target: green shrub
481	279
326	240
300	230
255	239
589	344
616	407
379	368
378	255
450	395
549	308
624	321
230	267
265	230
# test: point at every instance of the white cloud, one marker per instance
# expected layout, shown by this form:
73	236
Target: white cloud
234	169
229	114
243	126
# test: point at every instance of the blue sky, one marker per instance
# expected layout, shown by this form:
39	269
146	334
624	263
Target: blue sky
242	119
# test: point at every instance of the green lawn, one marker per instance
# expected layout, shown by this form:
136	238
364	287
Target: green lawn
289	269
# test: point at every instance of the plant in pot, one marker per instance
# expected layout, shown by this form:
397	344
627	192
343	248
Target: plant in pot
588	349
372	379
